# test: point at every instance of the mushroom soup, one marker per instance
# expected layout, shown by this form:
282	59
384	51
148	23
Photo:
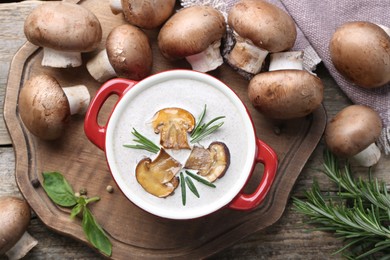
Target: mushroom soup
136	110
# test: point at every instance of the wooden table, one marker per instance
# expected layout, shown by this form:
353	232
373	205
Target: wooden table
287	238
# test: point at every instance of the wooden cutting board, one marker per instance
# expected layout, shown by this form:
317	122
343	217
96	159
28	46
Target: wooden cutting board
133	232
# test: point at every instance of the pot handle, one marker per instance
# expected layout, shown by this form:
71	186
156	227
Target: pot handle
268	157
95	132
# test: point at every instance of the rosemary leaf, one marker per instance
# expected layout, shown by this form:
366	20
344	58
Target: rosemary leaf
183	189
199	179
202	130
192	187
143	143
205	132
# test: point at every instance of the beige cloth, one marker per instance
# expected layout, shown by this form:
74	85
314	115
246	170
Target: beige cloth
316	22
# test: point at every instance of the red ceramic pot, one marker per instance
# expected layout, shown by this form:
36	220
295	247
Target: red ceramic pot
190	90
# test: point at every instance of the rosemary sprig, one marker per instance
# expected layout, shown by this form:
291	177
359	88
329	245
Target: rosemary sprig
363	224
143	143
187	182
202	130
192	187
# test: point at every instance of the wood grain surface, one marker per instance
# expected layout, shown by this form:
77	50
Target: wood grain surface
285	239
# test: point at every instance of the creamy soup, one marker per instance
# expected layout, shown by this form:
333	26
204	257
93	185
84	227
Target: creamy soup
136	109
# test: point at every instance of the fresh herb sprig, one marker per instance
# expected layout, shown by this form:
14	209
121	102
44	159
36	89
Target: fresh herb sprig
61	193
359	212
202	130
143	143
187	182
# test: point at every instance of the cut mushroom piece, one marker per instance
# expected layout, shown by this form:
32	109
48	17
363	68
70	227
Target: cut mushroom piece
173	124
128	54
146	14
194	33
285	94
158	177
15	241
258	29
360	51
64	30
352	133
45	107
211	163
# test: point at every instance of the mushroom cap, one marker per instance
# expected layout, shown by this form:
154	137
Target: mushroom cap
352	130
147	14
264	24
211	163
173	124
14	219
44	107
190	31
129	51
63	26
285	94
360	51
158	176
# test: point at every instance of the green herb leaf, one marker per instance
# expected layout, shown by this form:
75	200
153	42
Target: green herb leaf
202	130
183	189
362	223
95	234
76	210
192	186
143	143
200	179
58	189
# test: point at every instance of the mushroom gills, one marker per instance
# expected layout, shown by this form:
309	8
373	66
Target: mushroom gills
211	163
158	177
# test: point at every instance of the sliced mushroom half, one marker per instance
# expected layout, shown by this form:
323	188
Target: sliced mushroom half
158	176
211	163
173	124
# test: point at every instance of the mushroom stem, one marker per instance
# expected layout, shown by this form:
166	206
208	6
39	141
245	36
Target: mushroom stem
100	67
116	6
286	60
60	59
207	60
246	56
368	157
78	98
384	28
22	247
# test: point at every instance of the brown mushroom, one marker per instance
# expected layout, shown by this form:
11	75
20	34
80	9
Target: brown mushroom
352	133
194	33
285	94
360	51
173	124
146	14
64	30
45	107
158	177
15	241
258	28
211	163
127	54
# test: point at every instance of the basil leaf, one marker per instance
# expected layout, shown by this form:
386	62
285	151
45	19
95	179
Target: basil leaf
58	189
76	210
95	234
